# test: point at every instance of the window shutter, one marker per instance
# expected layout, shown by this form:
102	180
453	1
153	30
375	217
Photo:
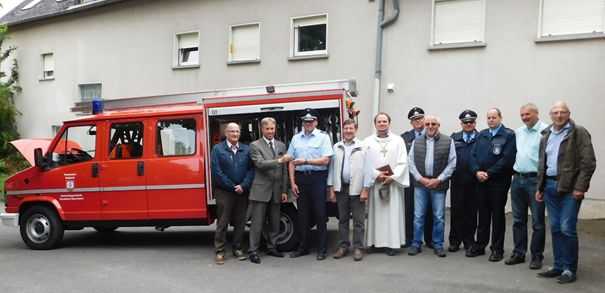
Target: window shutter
314	20
561	17
458	21
49	62
245	42
190	40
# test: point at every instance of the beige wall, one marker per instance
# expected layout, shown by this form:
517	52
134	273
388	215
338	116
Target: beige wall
129	48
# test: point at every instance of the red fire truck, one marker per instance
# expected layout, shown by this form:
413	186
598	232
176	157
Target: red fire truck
145	161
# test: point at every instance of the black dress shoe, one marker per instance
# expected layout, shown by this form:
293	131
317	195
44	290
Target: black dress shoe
536	263
391	251
274	252
514	259
254	258
473	252
551	273
321	256
453	248
496	256
298	253
566	277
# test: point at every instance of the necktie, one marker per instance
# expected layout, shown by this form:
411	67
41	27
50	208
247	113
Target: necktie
272	149
234	149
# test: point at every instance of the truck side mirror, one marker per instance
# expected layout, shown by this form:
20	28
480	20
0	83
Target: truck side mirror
39	158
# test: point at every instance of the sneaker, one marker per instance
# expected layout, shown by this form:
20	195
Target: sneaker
536	263
239	254
566	277
515	259
413	250
550	273
340	253
440	252
357	254
219	259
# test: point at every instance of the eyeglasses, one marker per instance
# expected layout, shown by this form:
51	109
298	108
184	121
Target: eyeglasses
431	124
468	122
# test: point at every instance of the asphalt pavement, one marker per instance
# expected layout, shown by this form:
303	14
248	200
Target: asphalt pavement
181	259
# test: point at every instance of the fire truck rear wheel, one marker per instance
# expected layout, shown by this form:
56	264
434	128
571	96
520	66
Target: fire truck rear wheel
287	239
41	228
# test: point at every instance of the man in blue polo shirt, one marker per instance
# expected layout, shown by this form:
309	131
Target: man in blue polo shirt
311	150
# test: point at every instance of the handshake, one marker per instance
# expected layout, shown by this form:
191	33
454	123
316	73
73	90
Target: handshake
284	159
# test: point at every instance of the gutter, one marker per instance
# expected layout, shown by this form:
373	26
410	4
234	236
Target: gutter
382	24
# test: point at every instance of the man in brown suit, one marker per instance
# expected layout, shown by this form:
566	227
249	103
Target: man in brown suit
269	188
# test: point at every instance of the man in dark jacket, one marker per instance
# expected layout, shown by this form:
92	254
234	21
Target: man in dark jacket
232	175
416	117
492	160
567	163
464	200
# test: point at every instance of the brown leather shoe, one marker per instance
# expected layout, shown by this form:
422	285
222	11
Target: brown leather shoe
340	253
357	254
219	259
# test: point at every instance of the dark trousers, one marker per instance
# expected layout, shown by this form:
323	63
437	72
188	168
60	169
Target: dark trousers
231	208
350	205
492	200
523	190
463	213
312	203
260	213
408	206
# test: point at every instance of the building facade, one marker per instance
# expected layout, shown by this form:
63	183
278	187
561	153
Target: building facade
442	55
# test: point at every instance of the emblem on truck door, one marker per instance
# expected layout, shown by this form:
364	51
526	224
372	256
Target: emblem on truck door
70	181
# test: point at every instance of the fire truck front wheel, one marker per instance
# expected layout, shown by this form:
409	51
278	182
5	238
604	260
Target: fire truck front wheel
41	228
287	239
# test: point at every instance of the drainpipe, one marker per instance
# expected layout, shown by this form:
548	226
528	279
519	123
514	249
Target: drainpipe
382	23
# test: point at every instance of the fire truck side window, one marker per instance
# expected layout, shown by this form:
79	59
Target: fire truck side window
175	137
77	144
126	141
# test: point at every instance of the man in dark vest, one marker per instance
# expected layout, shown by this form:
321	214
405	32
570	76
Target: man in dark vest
463	200
432	161
492	160
416	117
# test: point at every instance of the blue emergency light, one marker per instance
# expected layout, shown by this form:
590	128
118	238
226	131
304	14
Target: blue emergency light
97	105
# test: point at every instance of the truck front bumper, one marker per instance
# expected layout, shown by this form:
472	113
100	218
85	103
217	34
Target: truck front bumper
11	220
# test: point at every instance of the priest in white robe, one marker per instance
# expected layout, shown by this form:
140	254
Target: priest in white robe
383	190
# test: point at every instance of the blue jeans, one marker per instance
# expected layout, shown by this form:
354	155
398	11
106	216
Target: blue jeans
523	192
563	215
421	201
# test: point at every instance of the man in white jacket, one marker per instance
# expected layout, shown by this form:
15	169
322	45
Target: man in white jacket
345	182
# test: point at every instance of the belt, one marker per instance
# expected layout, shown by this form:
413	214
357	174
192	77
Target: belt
529	174
310	172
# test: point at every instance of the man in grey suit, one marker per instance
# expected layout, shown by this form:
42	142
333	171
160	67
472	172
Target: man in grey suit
269	187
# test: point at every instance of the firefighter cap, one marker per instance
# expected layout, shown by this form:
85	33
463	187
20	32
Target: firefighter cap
415	112
309	115
467	115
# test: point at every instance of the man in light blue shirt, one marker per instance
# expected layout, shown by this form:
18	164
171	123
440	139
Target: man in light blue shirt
523	189
311	150
432	161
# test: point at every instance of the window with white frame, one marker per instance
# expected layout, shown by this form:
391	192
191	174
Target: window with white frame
188	49
89	91
458	21
309	35
244	42
48	66
565	17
